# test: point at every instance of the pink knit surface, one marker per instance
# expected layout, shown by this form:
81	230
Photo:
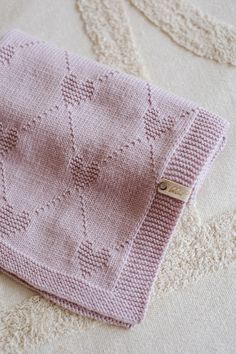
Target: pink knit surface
83	148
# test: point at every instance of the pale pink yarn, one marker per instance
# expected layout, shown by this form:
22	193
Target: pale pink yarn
83	148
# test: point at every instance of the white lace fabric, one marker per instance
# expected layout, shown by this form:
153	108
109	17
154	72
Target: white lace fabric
189	27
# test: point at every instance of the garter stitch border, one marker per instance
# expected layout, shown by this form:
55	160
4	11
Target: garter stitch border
201	138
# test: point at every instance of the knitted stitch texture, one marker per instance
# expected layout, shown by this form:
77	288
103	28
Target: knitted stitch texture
83	148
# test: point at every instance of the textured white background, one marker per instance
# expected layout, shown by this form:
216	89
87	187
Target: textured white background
200	318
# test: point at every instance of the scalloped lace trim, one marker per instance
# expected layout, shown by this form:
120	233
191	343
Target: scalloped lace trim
193	30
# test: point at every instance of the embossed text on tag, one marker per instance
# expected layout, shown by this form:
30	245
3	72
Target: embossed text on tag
174	189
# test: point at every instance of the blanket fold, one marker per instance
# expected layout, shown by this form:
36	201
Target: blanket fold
96	167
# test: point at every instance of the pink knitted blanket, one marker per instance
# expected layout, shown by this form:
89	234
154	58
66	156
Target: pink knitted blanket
95	168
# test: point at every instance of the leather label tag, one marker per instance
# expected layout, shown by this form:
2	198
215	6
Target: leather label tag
174	189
